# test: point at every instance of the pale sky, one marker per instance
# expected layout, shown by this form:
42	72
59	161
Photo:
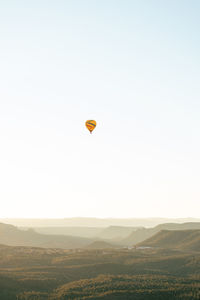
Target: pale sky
134	67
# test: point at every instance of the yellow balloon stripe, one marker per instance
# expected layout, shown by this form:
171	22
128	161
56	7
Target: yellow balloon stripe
90	124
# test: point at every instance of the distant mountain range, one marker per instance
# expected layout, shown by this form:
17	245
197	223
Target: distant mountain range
112	236
114	233
95	222
176	239
88	232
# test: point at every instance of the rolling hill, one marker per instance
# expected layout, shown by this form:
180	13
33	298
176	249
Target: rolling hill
11	235
177	239
88	232
142	234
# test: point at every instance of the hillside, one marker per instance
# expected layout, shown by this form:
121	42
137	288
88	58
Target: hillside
179	239
111	233
144	233
88	232
11	235
99	245
116	232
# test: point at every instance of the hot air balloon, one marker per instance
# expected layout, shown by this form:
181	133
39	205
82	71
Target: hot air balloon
90	124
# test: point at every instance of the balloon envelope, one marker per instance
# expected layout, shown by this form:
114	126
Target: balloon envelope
90	124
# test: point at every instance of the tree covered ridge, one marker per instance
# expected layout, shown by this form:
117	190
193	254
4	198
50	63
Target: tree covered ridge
124	287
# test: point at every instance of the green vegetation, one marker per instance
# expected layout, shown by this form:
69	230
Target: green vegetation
28	273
